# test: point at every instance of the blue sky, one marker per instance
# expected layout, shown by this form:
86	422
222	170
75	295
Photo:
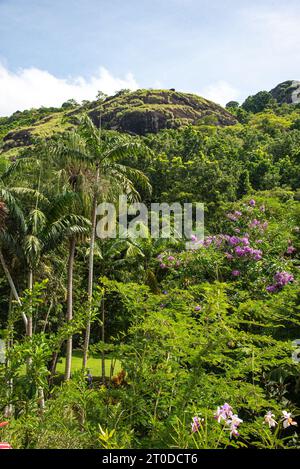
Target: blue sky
52	50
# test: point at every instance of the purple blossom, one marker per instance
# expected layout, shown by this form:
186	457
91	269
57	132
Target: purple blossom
233	240
257	254
228	255
231	216
254	223
239	251
252	203
223	413
171	258
290	250
234	423
195	424
162	265
235	273
245	241
282	278
197	308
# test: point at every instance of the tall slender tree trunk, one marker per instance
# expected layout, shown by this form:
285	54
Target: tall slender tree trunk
13	287
103	341
70	306
8	411
30	287
91	276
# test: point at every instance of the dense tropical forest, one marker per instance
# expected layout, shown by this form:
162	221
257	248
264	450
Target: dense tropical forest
138	342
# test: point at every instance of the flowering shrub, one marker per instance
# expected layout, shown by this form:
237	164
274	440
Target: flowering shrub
231	422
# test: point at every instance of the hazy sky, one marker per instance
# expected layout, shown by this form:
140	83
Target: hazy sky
53	50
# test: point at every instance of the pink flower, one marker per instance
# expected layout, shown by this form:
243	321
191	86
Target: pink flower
235	273
3	424
269	419
4	445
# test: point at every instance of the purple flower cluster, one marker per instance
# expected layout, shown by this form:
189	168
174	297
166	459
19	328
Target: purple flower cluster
235	247
247	251
167	261
241	247
234	216
196	423
280	280
291	250
235	273
258	224
231	421
225	414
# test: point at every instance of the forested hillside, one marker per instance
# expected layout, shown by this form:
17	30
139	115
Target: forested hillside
139	342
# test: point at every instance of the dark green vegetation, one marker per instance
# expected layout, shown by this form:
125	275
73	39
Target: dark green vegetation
175	333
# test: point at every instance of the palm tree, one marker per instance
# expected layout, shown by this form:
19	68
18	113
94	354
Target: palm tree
92	160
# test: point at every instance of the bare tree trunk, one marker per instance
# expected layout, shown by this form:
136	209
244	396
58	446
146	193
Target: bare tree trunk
29	321
103	340
41	400
13	288
8	411
52	367
70	307
91	276
47	316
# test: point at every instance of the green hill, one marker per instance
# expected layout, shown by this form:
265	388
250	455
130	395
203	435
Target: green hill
139	112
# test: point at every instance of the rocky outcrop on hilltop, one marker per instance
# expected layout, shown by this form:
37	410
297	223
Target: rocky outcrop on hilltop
287	92
149	111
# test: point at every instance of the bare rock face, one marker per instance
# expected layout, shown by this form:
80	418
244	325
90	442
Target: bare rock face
149	111
19	138
287	92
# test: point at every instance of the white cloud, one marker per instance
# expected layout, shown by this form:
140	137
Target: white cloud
279	27
220	92
32	87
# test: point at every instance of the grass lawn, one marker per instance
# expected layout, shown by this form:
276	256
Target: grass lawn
94	364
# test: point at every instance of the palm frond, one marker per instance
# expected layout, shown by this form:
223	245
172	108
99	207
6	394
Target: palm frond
29	193
32	249
14	210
